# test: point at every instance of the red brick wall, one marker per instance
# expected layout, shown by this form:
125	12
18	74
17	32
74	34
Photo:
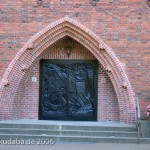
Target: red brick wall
122	24
27	95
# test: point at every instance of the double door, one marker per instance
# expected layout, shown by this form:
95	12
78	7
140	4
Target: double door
68	90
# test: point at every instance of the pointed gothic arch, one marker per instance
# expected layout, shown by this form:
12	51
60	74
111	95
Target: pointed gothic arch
47	37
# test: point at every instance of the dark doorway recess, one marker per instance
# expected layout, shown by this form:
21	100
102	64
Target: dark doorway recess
68	90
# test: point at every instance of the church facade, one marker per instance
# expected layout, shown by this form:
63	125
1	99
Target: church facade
74	60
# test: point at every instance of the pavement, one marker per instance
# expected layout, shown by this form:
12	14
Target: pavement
66	146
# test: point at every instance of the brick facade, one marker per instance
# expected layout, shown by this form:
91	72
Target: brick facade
123	25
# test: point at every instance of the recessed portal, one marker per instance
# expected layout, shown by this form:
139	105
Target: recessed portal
68	90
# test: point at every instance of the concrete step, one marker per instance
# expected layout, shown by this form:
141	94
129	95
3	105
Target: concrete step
83	132
99	133
28	126
68	127
62	139
98	128
68	132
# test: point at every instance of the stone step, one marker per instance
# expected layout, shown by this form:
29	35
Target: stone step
68	127
83	132
62	138
67	132
100	133
28	126
98	128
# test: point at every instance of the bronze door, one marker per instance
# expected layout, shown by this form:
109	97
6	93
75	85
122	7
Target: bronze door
68	90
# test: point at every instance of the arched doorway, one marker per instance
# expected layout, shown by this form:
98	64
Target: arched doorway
42	41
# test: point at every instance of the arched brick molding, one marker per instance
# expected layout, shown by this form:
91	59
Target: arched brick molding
47	37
